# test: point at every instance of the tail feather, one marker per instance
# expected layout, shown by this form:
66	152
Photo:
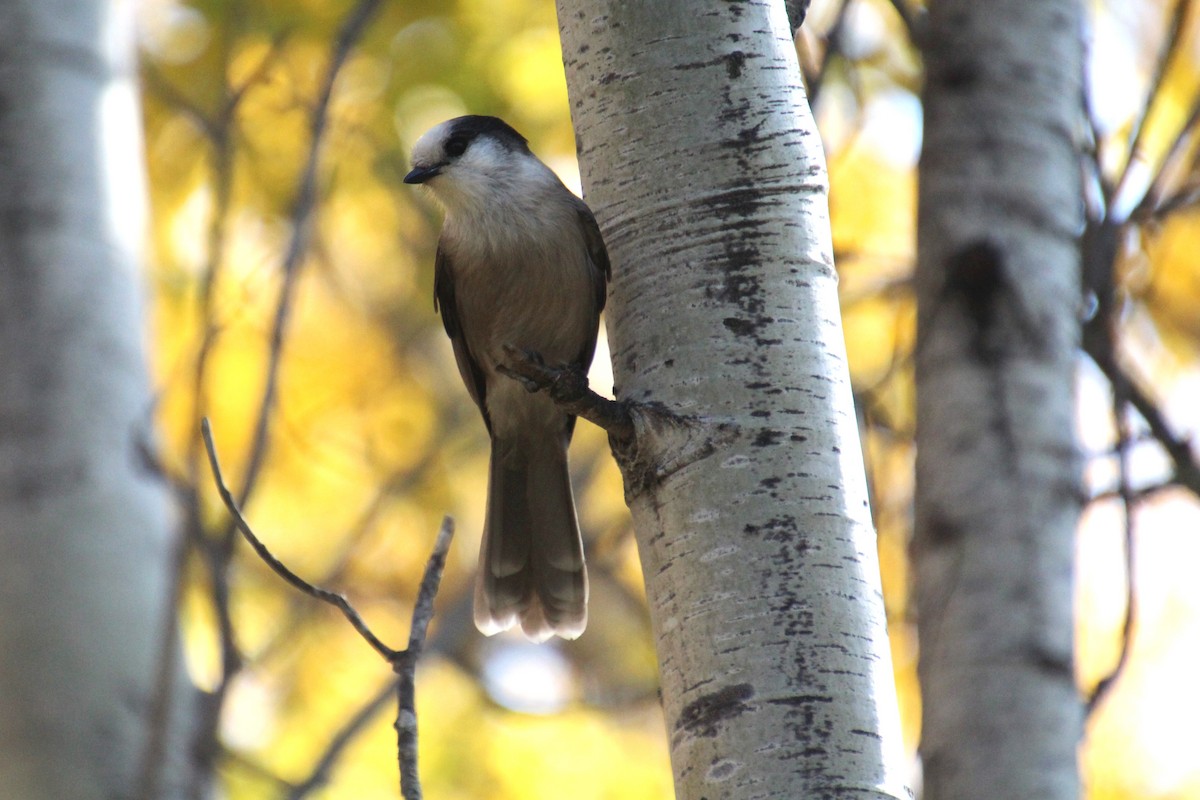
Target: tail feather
531	568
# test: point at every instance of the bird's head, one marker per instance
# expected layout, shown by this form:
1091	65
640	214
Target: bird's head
470	161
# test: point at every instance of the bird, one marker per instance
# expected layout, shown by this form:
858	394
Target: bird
520	263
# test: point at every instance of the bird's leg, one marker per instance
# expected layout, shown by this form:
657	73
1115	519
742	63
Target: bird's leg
529	368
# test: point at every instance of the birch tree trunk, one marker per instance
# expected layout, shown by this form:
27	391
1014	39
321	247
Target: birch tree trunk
997	467
702	163
83	521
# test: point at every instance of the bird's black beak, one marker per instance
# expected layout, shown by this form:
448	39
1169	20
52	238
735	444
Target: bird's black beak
422	174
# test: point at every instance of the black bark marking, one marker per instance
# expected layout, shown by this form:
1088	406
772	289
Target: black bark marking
767	438
979	282
940	531
975	277
741	327
777	529
751	136
1054	664
734	63
705	715
958	77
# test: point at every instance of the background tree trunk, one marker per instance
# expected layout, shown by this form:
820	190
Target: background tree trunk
997	468
702	163
83	520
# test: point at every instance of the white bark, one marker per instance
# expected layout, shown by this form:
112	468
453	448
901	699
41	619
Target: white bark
997	467
83	522
702	163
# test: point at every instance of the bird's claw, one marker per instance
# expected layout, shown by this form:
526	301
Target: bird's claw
530	384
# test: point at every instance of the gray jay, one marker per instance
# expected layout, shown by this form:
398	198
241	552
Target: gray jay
520	262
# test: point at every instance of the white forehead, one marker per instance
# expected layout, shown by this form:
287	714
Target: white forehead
428	149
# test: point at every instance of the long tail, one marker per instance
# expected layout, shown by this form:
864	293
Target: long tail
531	566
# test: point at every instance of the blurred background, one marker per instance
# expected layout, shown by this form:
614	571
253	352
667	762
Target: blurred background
297	313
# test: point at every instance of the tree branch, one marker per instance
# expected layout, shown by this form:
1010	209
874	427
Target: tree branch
912	20
833	47
1170	46
405	665
403	662
278	567
1179	449
568	387
303	210
1120	401
1153	204
319	775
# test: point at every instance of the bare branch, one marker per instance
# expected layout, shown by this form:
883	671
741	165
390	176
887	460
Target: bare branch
1120	392
911	19
150	772
403	662
833	47
303	210
405	665
1152	203
319	775
165	89
423	609
1170	46
278	566
299	611
234	98
1099	254
1179	450
568	387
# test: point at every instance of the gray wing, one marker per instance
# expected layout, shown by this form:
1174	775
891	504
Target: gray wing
601	271
445	303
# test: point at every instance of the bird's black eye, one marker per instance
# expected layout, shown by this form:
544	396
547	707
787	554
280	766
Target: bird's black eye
456	146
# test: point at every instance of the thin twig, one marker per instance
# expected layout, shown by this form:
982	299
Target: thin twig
298	612
1152	202
1120	403
403	662
1187	469
319	775
164	88
280	569
1092	153
1170	46
216	130
221	136
1184	199
1178	449
151	770
1138	495
910	18
303	210
405	665
833	47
